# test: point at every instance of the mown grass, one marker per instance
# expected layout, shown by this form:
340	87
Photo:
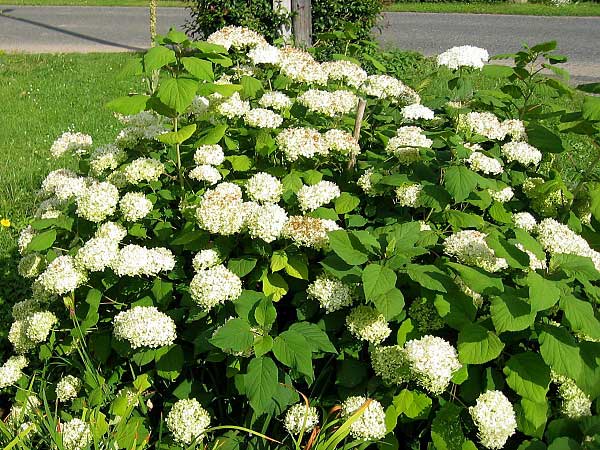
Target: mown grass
532	9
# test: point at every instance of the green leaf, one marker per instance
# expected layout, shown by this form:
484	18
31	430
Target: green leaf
177	93
390	304
544	139
128	105
293	350
296	267
511	313
345	203
169	362
260	382
429	276
477	345
278	260
561	352
460	182
377	281
263	345
496	71
478	279
581	316
240	163
591	108
233	336
274	286
158	57
212	136
446	429
532	417
177	137
413	404
460	220
265	313
199	68
176	37
515	257
315	336
528	375
42	241
242	266
543	47
251	86
543	294
580	267
347	247
162	291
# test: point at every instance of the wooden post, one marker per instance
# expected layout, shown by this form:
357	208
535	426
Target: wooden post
285	7
302	22
152	8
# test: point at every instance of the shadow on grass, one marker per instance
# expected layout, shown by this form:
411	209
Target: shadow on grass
13	288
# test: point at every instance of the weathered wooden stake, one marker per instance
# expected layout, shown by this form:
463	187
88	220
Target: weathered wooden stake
302	22
360	113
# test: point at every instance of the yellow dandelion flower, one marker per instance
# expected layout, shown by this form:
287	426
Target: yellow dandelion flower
5	223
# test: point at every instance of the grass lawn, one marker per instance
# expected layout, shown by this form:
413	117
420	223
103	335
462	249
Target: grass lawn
534	9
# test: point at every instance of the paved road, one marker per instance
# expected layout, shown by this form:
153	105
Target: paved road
85	29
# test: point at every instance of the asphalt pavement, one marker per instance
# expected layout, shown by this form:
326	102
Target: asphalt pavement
107	29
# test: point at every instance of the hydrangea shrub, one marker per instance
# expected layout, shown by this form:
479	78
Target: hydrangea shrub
310	252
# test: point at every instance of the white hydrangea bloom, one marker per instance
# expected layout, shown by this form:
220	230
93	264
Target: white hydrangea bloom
145	125
22	412
515	128
112	231
62	275
135	206
49	208
76	434
575	403
214	286
432	362
266	221
63	183
307	231
199	105
483	123
525	221
263	118
464	56
134	260
67	388
206	173
482	163
205	259
234	107
494	417
417	111
409	194
264	54
297	142
316	195
12	370
301	418
534	262
275	100
406	143
39	325
470	247
521	152
300	66
221	209
76	143
345	71
263	187
386	87
236	37
31	265
25	237
97	254
17	337
503	195
23	309
97	201
370	425
188	421
367	324
105	158
389	362
342	142
144	326
331	293
331	104
364	182
210	154
143	169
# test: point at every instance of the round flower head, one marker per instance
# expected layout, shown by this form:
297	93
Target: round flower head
331	293
25	237
405	145
145	125
76	434
215	286
301	418
262	187
432	362
143	169
12	370
106	158
23	309
221	209
67	388
211	155
305	142
483	123
409	194
307	231
575	403
206	259
144	326
234	107
135	206
345	71
342	142
386	87
494	418
63	183
134	260
188	421
263	118
463	56
515	128
503	195
389	362
525	221
470	247
482	163
417	111
76	143
236	37
97	254
331	104
62	275
521	152
275	100
300	66
112	231
370	425
312	197
266	221
364	182
31	265
264	54
97	201
204	172
366	324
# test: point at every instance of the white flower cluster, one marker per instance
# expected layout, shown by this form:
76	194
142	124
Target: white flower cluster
266	221
557	238
21	412
275	100
199	105
521	152
262	118
77	143
144	326
463	56
316	195
545	203
135	206
306	231
62	275
534	262
494	417
31	265
409	194
389	362
25	333
145	125
485	164
345	71
488	125
236	37
214	286
211	155
331	293
503	195
386	87
301	418
25	308
67	388
524	220
188	421
264	54
112	231
405	145
134	260
330	104
264	188
76	434
12	370
370	425
143	169
297	142
105	158
49	208
342	142
25	237
221	210
206	173
63	183
300	66
364	182
367	324
205	259
575	403
97	201
470	247
417	111
234	106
